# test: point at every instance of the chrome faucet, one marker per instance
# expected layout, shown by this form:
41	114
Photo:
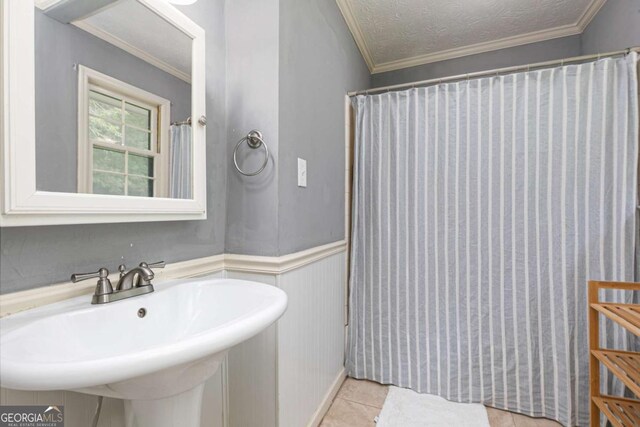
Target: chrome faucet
136	281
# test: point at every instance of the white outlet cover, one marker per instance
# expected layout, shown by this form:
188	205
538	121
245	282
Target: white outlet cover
302	172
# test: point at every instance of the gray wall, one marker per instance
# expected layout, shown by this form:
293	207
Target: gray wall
37	256
58	47
615	27
564	47
252	103
319	64
281	77
288	78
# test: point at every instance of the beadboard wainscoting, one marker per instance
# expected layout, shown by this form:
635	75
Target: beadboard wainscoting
288	375
252	376
311	340
285	377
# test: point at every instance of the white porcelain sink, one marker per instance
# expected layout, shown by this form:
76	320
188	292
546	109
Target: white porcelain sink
158	363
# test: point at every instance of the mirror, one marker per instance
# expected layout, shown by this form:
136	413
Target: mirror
113	100
89	100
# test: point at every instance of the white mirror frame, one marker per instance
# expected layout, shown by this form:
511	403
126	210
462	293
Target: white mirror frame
21	203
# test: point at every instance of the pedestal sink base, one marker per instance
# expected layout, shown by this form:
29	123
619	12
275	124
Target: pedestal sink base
182	410
169	398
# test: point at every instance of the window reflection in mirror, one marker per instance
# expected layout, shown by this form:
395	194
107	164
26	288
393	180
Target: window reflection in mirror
113	101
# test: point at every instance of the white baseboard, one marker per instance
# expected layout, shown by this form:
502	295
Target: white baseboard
328	399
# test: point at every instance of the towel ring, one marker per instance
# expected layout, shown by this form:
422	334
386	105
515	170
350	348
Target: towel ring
254	140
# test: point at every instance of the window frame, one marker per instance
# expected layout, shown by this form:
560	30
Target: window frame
88	80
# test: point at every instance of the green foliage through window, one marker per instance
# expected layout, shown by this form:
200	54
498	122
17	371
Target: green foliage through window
117	170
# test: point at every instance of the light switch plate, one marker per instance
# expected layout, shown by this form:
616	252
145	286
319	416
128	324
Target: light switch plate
302	172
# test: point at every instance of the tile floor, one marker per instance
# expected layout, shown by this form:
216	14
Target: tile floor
358	402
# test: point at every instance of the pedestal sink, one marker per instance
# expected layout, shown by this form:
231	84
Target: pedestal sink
154	351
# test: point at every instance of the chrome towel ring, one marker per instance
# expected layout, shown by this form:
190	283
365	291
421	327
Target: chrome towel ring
254	140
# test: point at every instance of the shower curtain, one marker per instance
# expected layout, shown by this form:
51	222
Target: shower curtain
180	162
480	210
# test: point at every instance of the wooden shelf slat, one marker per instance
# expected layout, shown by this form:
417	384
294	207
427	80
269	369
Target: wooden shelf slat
623	364
621	412
626	315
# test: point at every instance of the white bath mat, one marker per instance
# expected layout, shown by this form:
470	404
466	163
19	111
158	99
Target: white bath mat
406	408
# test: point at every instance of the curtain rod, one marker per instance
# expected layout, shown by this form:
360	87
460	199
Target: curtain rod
184	122
497	71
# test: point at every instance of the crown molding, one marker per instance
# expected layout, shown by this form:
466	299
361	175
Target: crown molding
590	13
354	27
443	55
24	300
129	48
537	36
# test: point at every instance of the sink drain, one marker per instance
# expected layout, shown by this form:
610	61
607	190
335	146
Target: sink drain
142	312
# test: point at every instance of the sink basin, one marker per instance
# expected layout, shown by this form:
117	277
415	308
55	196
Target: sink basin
154	351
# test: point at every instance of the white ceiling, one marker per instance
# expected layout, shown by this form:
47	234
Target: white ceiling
394	34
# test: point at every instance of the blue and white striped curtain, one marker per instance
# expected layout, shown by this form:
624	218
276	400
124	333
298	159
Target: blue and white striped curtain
180	162
480	210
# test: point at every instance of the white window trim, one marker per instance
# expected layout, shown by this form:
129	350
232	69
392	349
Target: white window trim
88	79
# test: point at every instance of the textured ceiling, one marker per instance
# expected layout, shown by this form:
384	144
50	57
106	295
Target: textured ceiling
397	33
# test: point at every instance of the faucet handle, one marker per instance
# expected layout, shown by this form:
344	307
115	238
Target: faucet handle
103	273
122	269
159	264
103	287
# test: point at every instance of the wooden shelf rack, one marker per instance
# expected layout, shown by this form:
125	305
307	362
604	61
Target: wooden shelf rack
625	365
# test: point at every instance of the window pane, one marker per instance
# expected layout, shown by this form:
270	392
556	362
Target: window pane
138	138
108	183
137	116
142	187
140	165
105	107
104	131
108	160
